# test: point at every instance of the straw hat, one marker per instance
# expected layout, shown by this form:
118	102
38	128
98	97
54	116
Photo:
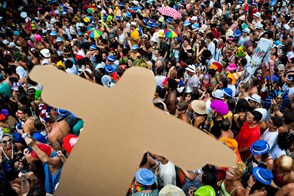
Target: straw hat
199	107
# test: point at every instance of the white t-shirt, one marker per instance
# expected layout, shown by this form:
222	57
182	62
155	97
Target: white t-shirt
193	82
270	137
211	48
21	72
159	80
276	152
167	173
72	70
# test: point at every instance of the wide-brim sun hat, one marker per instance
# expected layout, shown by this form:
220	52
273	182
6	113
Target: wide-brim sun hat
262	175
259	147
145	177
199	107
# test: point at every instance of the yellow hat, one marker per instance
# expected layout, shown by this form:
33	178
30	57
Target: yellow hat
60	64
231	76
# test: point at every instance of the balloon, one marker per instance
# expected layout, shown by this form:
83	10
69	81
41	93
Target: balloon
38	37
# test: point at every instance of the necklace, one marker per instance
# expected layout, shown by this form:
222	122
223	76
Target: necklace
6	154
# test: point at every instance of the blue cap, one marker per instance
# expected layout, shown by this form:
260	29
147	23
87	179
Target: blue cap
155	25
187	23
129	15
62	113
121	4
195	26
148	25
94	47
278	42
228	92
135	47
145	177
109	69
179	39
111	58
264	176
169	20
118	18
237	33
259	147
59	39
16	32
53	33
57	12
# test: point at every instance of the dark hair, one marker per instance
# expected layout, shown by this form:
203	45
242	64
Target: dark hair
26	110
68	64
37	190
160	70
144	159
23	99
208	178
225	82
243	61
285	140
172	83
257	116
5	187
242	106
210	36
289	117
231	103
277	121
225	125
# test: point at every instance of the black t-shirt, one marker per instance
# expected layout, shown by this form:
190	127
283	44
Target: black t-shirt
114	44
164	47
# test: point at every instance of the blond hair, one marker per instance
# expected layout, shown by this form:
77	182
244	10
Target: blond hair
285	163
239	168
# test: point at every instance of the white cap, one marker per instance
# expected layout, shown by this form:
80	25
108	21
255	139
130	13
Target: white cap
255	98
45	52
218	94
257	14
11	44
6	42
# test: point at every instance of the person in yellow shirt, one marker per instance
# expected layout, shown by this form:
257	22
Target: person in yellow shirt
135	36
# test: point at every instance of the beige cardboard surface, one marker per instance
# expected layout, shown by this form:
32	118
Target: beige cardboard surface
121	124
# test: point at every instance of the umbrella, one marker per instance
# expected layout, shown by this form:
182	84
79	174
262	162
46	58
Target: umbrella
170	33
94	33
171	12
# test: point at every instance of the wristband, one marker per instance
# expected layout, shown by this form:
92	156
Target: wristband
248	186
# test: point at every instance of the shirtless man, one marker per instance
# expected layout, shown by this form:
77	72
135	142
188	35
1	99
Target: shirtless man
171	96
56	131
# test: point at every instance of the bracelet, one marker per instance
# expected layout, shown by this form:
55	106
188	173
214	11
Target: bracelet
248	186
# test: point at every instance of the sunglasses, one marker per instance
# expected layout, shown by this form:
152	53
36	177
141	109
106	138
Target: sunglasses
6	141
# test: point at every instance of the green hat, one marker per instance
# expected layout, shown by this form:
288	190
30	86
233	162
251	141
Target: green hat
205	191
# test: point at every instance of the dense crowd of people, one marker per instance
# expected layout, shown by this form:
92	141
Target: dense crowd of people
200	53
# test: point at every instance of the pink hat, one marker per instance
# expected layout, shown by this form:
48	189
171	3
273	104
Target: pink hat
232	67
